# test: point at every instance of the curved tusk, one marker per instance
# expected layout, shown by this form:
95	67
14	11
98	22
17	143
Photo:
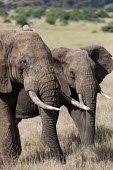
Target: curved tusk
38	102
105	95
80	98
74	102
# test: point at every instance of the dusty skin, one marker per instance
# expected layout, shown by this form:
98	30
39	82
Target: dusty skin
33	157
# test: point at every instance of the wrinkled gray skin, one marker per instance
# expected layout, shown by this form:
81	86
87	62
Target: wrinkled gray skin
79	72
25	62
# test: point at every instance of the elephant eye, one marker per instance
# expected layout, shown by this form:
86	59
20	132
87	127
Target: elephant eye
23	63
72	74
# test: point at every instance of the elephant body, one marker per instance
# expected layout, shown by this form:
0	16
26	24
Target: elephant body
25	61
79	73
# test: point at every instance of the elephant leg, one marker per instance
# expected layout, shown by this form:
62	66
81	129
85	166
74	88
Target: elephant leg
16	130
10	149
79	118
49	133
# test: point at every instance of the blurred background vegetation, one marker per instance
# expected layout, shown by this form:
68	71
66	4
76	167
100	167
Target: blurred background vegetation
58	11
56	3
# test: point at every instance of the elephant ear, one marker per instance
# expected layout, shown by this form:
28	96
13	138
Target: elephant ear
58	60
5	45
102	59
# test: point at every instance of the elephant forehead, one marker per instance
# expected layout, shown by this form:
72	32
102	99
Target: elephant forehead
26	35
29	44
29	40
76	55
79	57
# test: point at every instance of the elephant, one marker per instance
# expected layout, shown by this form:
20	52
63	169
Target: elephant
26	61
79	72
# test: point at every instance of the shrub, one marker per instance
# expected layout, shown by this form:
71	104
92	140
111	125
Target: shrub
19	10
20	19
38	12
34	12
75	15
87	14
109	7
51	20
3	12
52	14
108	28
6	20
64	17
101	14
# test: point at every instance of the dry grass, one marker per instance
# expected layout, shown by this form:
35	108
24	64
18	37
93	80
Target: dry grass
34	157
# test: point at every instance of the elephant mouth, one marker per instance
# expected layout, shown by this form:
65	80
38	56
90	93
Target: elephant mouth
81	99
38	102
74	102
80	104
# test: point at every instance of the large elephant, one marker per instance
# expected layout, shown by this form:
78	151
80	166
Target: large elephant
25	61
79	73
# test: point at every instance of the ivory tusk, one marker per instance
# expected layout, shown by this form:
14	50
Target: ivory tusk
105	95
80	98
38	102
74	102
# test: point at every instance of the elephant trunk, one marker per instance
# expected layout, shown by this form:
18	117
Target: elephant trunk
46	86
49	94
89	93
90	118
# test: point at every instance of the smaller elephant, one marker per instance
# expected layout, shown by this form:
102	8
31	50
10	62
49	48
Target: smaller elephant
79	73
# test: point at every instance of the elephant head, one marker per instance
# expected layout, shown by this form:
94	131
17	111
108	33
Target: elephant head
25	61
79	73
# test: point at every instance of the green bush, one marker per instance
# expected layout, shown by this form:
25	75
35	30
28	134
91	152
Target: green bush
75	15
101	14
108	28
88	14
33	12
3	12
109	7
64	17
51	20
52	14
6	20
20	19
19	10
38	12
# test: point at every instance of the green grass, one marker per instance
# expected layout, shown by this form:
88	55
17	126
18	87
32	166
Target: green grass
34	157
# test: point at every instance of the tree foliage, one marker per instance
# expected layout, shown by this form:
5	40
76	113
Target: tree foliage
56	3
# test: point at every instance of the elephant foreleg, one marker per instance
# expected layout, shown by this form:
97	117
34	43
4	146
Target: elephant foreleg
10	147
79	118
49	134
